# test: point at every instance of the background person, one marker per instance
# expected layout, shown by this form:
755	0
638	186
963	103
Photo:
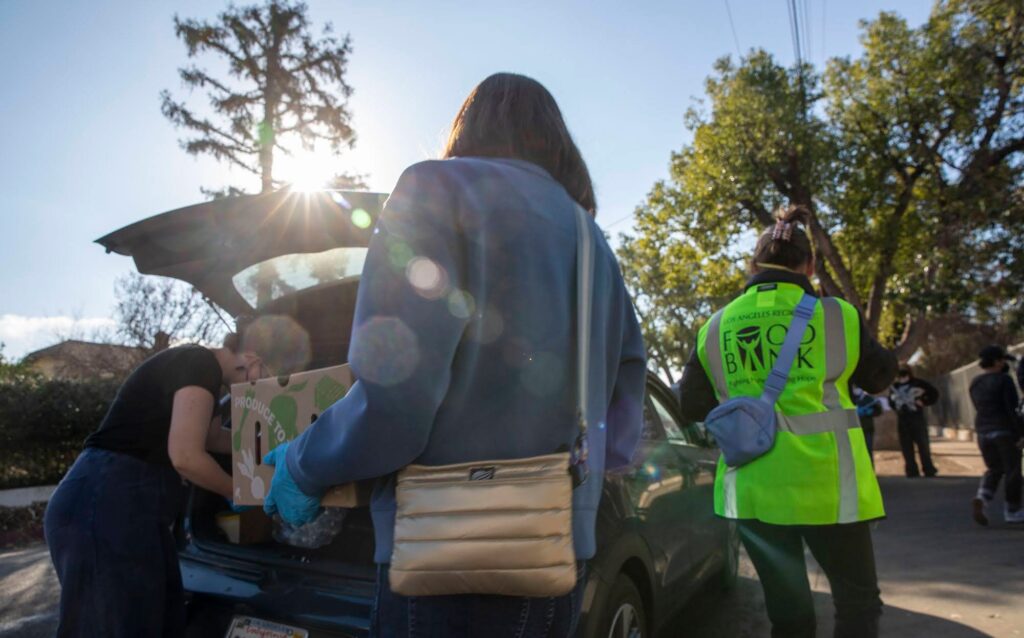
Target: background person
999	433
868	407
909	396
108	525
816	485
467	351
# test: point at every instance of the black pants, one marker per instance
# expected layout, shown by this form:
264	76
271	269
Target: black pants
1002	459
843	551
914	431
108	530
869	441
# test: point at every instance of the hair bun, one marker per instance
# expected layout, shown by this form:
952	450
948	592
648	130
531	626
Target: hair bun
795	214
787	243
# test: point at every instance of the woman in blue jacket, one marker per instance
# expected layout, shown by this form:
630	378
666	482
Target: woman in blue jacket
464	345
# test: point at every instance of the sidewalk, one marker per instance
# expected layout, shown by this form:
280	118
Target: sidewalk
952	458
25	496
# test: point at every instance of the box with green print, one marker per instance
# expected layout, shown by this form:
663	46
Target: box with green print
269	412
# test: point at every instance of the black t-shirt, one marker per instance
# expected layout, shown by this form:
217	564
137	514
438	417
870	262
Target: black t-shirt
139	419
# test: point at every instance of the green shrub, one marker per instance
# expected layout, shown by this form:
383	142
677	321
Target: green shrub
43	424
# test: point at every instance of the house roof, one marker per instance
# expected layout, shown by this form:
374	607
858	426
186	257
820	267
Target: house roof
85	353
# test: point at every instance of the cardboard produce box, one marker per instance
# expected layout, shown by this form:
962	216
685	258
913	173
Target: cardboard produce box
268	412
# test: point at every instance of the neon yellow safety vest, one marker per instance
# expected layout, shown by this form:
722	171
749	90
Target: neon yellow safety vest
819	471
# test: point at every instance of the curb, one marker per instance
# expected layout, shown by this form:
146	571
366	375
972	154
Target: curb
25	496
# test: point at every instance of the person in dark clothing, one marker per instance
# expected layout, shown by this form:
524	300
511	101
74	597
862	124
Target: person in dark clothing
909	396
775	531
999	432
1020	384
108	524
868	407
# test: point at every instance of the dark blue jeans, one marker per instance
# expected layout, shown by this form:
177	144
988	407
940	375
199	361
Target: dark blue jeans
473	616
108	527
1002	461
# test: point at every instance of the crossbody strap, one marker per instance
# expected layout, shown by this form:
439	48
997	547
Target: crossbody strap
776	381
584	297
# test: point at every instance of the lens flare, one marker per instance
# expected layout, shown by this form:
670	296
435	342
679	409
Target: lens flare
429	279
461	304
280	341
399	254
385	351
361	218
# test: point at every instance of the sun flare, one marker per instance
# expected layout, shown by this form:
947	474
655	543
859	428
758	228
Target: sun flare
308	171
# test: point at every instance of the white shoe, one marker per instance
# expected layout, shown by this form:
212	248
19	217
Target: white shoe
978	506
1014	517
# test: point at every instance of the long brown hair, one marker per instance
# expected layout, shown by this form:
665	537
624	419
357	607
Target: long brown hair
513	116
785	244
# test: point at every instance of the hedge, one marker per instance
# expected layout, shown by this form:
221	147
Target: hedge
43	424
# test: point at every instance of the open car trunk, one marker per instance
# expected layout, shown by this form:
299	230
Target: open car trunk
208	244
325	314
349	554
285	253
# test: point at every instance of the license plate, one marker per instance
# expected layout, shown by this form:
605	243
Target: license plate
246	627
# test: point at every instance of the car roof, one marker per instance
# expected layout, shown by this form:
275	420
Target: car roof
206	244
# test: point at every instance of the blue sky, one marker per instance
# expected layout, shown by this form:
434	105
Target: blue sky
87	151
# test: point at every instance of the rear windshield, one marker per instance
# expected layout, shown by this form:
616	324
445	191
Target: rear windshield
272	279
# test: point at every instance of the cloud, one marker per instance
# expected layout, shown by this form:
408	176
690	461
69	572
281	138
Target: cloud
21	335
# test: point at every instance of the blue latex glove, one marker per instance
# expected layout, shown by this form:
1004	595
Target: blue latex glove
285	497
863	410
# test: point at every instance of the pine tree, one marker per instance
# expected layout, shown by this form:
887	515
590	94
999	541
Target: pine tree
283	84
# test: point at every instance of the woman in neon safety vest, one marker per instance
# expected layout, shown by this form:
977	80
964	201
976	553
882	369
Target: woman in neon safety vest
816	485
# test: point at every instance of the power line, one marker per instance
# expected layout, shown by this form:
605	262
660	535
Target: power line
794	30
733	27
808	40
823	54
619	221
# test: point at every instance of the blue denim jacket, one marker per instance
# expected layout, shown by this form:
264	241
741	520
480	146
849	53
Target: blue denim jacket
464	340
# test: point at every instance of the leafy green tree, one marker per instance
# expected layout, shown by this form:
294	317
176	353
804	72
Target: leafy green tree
282	84
908	157
14	372
675	280
931	125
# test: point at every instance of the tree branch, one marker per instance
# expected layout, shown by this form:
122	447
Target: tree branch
828	284
758	211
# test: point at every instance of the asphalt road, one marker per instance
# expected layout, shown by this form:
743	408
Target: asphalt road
28	593
942	576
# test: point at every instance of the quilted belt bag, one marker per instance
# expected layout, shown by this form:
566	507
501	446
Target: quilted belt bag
503	526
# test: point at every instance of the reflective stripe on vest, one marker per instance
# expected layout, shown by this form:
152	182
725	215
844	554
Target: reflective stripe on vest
835	351
835	363
729	493
835	418
713	345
